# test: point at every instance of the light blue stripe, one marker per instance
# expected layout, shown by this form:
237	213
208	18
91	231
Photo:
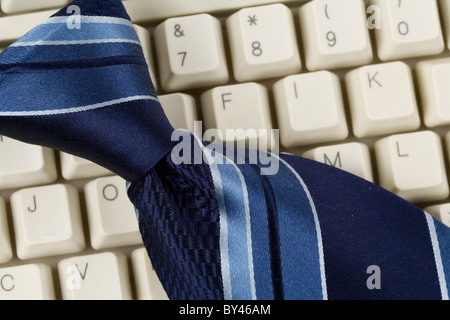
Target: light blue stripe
35	91
441	247
235	206
89	31
300	246
237	232
259	233
78	52
224	259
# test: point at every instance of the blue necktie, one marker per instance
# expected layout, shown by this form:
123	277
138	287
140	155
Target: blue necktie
214	227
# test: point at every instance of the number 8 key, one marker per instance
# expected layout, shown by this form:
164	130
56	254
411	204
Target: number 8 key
263	43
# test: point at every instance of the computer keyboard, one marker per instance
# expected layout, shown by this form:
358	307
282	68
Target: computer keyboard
359	85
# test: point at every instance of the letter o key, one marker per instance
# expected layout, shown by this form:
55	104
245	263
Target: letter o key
110	192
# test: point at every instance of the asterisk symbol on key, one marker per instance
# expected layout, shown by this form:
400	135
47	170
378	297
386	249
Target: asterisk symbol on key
252	20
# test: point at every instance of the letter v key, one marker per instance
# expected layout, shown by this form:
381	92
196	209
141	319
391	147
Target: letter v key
82	275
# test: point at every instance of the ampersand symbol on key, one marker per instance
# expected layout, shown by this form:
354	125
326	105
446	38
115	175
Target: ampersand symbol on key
178	32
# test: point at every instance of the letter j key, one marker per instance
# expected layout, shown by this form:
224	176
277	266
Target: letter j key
47	221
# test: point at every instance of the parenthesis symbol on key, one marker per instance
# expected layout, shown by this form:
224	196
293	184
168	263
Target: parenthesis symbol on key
326	11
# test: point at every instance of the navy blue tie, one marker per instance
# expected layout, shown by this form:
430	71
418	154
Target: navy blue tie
214	227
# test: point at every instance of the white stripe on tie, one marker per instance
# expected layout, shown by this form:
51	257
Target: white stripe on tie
74	109
437	256
89	19
72	42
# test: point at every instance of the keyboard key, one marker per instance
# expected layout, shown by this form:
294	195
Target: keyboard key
23	164
144	38
409	29
352	157
73	167
236	109
335	34
27	282
47	221
441	212
101	276
190	52
412	166
257	51
111	216
16	6
180	109
310	109
382	99
433	78
5	241
147	283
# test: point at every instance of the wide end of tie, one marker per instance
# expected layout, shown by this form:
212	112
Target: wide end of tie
79	83
225	229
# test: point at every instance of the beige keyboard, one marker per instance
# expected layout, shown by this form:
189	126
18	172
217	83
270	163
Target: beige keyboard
359	85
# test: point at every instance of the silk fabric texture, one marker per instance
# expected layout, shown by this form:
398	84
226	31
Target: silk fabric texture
213	229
